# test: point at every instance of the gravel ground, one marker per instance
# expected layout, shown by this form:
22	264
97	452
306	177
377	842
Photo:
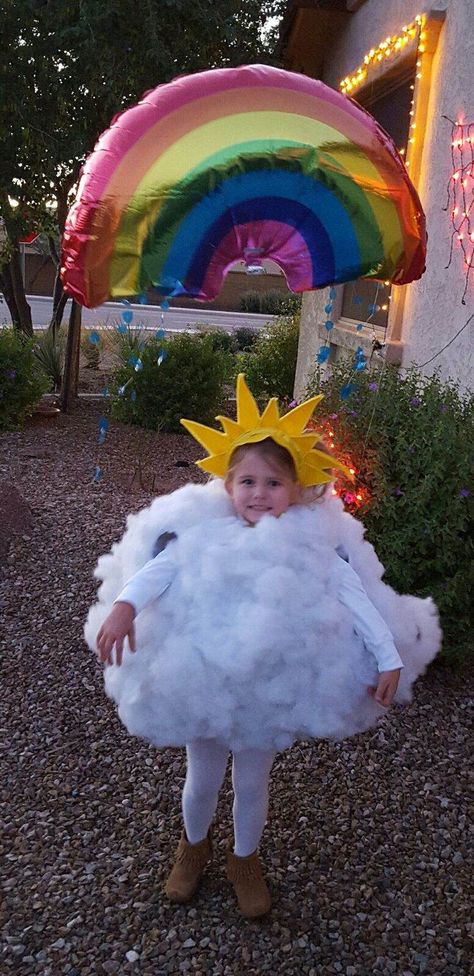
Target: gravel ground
367	847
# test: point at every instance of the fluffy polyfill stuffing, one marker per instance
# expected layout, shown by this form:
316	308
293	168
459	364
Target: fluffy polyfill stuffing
250	643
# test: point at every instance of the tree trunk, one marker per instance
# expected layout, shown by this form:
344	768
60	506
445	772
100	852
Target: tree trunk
14	292
7	289
71	364
60	297
59	304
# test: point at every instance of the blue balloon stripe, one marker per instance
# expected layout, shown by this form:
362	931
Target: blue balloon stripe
293	199
314	234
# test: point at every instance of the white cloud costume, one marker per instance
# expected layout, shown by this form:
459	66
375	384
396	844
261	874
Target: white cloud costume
247	636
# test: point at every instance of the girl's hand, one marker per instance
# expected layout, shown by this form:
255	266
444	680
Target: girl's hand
117	626
387	685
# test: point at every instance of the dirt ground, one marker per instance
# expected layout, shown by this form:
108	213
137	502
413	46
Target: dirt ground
368	847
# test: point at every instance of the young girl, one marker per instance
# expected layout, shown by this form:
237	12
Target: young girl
248	640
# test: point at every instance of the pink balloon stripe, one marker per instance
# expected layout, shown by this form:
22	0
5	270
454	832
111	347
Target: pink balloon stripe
278	242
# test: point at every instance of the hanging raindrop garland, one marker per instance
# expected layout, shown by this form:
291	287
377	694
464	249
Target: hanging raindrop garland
124	328
360	358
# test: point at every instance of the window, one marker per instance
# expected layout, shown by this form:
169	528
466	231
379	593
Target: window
389	101
394	85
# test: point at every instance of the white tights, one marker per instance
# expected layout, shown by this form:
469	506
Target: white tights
207	761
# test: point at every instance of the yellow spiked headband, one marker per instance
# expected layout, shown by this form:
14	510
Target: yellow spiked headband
313	467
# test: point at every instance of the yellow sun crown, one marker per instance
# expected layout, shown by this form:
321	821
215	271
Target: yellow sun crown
313	467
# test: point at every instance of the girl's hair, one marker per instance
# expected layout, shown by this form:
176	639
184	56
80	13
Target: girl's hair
269	451
278	457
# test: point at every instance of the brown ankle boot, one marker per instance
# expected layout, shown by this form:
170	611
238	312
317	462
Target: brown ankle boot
186	873
245	873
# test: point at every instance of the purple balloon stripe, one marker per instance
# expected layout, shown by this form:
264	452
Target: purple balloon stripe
281	243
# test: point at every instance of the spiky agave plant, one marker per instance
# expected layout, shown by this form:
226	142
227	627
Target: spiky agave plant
49	352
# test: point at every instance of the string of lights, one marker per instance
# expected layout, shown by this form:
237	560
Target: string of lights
390	50
387	50
460	195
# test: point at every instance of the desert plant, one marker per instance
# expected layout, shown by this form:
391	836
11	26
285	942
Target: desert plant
126	343
92	344
180	377
49	350
409	437
22	382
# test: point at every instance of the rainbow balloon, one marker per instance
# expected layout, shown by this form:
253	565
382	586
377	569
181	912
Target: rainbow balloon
240	164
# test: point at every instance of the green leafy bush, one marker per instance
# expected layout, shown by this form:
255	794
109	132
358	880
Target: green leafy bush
49	351
245	338
21	381
220	340
410	439
188	383
271	363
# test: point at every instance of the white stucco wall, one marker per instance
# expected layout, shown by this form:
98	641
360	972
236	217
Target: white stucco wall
433	311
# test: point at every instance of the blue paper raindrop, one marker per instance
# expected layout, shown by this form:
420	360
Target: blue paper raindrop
323	354
346	391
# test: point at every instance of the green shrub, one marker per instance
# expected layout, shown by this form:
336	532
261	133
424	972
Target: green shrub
220	340
410	439
49	351
271	363
250	301
245	338
188	383
270	303
21	381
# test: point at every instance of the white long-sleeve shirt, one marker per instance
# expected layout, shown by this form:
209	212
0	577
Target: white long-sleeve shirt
156	576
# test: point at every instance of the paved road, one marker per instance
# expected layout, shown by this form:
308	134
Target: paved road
145	316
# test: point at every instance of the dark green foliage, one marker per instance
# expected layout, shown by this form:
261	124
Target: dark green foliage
271	363
67	68
270	303
188	383
221	341
21	382
245	338
49	351
126	344
251	301
411	439
91	350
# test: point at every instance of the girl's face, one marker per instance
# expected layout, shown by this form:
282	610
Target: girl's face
258	488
